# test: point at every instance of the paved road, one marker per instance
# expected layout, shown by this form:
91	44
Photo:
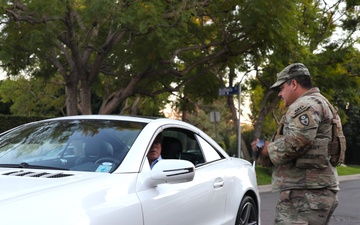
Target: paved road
347	213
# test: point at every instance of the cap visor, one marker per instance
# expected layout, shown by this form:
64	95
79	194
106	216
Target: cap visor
277	84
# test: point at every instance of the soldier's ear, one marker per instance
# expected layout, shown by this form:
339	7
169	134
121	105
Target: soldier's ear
294	84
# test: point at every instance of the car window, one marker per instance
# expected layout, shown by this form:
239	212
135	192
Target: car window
79	145
210	153
186	145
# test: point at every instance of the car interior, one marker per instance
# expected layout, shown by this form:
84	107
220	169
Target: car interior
185	147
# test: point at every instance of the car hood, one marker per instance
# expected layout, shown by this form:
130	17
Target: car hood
63	197
18	183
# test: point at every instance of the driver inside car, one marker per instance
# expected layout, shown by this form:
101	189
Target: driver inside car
154	154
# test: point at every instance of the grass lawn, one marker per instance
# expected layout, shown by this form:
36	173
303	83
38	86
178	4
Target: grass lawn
264	174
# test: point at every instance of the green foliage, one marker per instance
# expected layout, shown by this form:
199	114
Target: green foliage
130	56
145	106
351	131
33	97
61	34
263	175
348	169
204	87
4	106
269	125
8	122
248	137
332	61
222	132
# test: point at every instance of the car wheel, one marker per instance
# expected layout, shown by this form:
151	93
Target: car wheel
247	213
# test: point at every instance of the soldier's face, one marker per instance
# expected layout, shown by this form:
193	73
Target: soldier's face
287	92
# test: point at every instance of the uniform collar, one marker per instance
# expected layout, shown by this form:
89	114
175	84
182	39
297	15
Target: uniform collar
311	91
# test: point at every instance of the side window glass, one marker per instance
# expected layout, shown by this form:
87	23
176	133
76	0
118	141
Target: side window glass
181	144
210	153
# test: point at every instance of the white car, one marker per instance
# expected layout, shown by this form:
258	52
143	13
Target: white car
93	170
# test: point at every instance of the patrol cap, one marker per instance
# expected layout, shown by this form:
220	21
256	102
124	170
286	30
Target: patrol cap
291	71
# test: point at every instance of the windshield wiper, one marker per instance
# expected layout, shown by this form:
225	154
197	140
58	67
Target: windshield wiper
27	165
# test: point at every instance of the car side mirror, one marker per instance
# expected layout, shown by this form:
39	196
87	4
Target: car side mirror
172	171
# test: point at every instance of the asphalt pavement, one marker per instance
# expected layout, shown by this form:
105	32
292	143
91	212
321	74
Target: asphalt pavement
267	188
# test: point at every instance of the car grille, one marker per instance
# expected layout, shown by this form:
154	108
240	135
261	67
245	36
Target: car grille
22	173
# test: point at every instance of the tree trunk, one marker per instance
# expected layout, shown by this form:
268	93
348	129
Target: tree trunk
85	93
71	99
134	107
112	102
264	110
230	103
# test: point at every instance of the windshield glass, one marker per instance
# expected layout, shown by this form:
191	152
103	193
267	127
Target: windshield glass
77	145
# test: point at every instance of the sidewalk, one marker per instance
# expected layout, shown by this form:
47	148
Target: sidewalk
267	188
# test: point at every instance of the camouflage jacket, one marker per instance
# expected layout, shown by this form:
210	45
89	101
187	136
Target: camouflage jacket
306	121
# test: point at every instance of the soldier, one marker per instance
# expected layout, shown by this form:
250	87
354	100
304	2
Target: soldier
298	152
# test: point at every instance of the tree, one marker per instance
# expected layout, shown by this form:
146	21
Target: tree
330	61
33	97
136	43
141	48
81	41
4	106
111	55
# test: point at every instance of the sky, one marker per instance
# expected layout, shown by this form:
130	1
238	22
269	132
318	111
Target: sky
2	74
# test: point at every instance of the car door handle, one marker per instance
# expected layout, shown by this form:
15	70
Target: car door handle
218	183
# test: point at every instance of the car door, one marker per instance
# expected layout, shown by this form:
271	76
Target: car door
201	201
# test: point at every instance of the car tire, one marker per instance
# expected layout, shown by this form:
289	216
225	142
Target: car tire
248	212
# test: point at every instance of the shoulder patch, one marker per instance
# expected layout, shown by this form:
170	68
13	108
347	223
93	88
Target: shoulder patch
300	109
304	119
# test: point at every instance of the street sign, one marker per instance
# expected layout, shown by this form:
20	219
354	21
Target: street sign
229	91
214	116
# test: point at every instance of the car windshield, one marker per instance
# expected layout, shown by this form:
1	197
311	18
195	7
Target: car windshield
75	145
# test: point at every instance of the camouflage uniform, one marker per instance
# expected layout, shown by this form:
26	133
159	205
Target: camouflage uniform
308	192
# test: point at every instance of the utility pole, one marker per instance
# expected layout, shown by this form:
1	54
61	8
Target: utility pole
233	91
239	135
239	129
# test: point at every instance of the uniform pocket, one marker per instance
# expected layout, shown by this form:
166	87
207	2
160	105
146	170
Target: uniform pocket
320	200
316	157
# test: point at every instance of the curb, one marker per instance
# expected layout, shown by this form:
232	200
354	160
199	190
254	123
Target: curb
268	188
